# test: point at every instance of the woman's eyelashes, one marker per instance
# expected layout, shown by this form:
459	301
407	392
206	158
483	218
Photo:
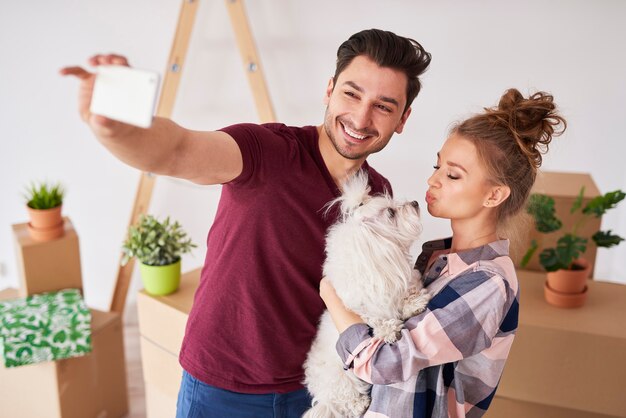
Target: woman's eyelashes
449	174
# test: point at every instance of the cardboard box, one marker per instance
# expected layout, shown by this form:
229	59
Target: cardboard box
162	321
569	358
158	404
564	188
91	386
162	376
47	266
509	408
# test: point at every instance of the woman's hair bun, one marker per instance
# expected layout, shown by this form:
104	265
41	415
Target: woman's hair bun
532	121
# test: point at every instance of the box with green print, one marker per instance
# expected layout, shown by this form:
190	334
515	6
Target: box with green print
90	386
45	327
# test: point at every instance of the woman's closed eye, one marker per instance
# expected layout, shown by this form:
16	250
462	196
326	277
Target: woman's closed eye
449	174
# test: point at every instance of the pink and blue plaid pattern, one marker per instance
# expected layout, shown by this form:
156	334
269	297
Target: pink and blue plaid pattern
450	358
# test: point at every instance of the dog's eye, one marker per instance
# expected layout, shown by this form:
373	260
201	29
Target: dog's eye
391	212
361	204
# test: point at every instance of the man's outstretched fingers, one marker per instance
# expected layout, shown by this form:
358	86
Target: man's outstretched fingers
79	72
108	59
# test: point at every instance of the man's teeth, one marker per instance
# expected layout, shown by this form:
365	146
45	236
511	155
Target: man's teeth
353	134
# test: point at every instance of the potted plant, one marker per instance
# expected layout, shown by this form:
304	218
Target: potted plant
567	269
158	245
44	202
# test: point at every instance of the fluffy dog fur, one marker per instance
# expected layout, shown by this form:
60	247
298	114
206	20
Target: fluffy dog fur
369	264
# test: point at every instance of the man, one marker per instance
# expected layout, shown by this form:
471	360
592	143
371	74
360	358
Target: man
256	309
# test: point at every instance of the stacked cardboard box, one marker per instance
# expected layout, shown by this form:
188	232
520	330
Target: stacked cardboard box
509	408
91	386
162	321
566	362
47	266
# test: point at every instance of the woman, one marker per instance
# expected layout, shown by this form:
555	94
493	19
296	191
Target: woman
450	358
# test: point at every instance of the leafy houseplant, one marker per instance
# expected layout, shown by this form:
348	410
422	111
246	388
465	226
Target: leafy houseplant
570	246
566	267
44	202
158	245
44	195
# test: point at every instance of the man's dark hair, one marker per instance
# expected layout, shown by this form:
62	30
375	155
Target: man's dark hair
387	50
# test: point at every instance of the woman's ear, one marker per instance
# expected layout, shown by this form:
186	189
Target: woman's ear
498	195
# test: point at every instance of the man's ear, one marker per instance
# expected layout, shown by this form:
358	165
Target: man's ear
403	119
498	195
329	91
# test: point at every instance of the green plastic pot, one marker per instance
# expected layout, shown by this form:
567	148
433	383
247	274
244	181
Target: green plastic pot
160	280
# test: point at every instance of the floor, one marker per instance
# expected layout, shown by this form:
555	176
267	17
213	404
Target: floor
136	394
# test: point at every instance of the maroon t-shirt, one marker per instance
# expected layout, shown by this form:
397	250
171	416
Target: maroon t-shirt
256	309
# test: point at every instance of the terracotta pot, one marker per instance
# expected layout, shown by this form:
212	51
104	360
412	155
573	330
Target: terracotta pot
45	224
570	281
46	234
45	218
564	300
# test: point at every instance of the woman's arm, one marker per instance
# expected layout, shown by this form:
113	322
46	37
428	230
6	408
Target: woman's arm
342	317
465	318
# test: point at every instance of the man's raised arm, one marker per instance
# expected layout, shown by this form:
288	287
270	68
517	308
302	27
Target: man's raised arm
165	148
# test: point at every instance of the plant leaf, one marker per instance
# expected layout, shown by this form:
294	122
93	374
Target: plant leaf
606	239
549	259
578	202
529	254
600	204
156	243
541	208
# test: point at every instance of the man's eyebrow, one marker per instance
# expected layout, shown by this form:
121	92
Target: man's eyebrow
385	99
453	164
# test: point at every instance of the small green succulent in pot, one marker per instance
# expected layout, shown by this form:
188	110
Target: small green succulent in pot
570	246
44	195
156	243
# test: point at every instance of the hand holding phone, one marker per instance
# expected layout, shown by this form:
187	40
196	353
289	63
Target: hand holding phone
125	94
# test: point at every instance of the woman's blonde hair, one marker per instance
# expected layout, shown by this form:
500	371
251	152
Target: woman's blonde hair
510	139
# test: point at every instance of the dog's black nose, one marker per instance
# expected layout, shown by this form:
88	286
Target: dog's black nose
415	204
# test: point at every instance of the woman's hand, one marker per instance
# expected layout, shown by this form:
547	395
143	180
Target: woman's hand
341	316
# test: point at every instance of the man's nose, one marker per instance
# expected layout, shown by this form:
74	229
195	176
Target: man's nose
362	117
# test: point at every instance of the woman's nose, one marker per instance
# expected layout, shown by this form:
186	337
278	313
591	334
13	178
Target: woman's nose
432	180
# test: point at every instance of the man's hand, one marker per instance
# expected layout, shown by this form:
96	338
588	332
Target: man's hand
165	148
102	126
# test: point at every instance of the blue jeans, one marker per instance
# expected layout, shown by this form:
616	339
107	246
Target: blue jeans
199	400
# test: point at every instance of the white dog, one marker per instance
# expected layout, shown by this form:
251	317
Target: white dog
369	264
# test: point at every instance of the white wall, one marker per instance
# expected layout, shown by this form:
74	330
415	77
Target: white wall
573	49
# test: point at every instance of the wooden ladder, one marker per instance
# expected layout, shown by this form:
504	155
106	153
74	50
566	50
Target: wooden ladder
171	80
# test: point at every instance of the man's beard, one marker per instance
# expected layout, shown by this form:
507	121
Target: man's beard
329	123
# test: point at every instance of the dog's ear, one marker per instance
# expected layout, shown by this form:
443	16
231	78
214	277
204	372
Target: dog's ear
355	191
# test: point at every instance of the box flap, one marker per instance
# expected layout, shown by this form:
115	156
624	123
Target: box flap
101	320
562	184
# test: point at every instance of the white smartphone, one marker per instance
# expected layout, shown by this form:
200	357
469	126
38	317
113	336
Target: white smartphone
125	94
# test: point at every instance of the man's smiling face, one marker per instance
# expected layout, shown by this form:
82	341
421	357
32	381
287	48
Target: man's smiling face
365	108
